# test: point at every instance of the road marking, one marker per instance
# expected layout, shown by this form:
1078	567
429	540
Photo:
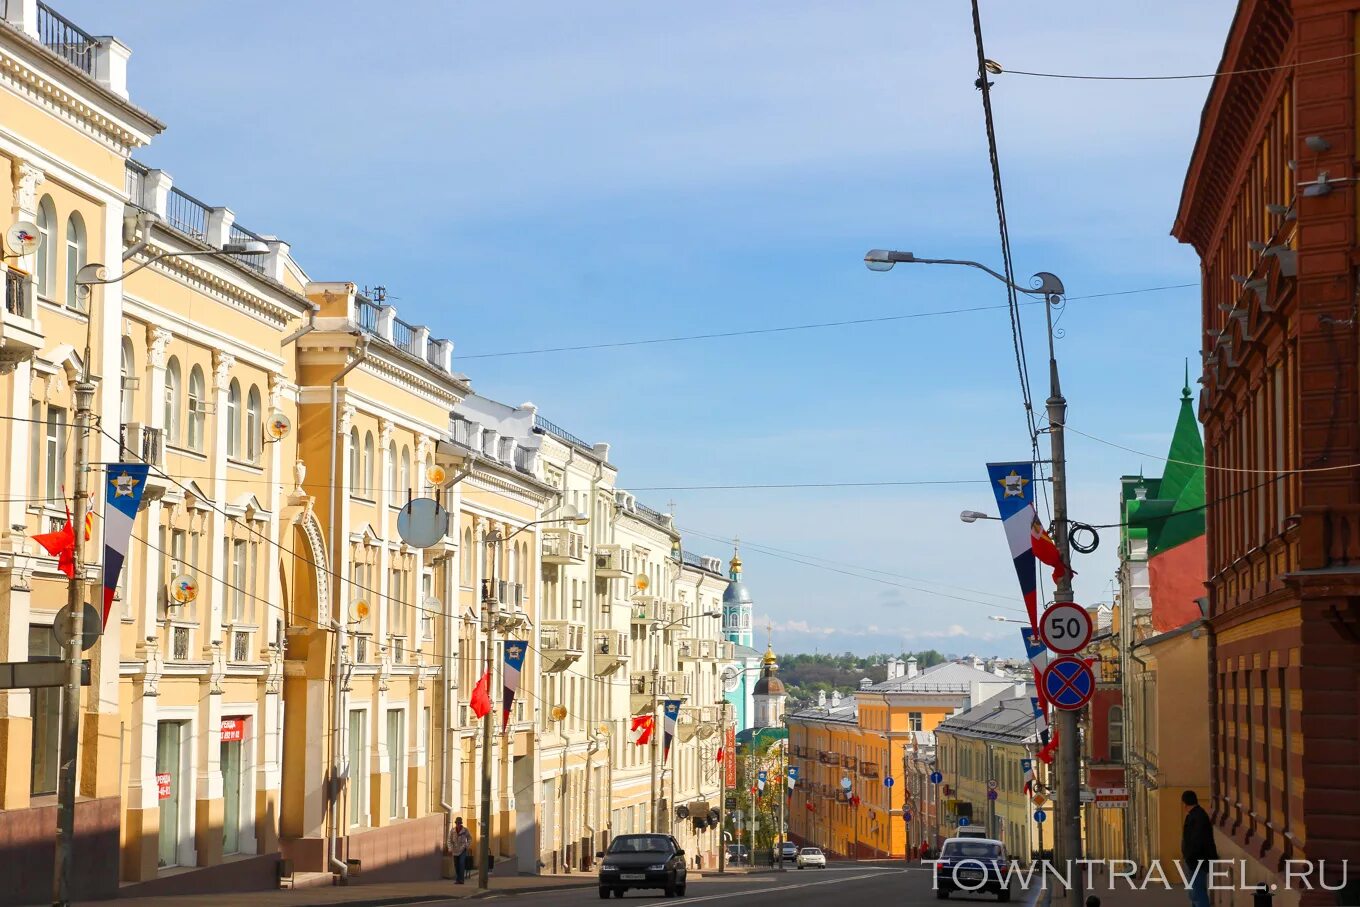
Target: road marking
794	887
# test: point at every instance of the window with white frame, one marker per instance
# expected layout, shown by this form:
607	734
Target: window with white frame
45	256
55	452
393	495
125	385
172	395
237	557
355	463
75	260
396	762
254	425
234	418
369	466
404	478
197	409
398	599
35	450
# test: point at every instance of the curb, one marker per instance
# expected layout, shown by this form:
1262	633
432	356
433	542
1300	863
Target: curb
495	893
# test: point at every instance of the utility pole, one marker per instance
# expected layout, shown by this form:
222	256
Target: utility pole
75	604
656	731
722	791
489	600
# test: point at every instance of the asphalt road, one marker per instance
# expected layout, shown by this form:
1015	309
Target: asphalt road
878	883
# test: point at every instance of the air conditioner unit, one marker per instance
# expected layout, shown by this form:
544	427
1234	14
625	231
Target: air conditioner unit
612	561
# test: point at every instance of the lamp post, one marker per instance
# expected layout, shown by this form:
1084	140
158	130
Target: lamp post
657	628
494	539
1067	832
91	275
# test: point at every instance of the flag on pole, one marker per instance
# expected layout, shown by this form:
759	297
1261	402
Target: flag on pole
1040	718
641	729
1038	656
514	662
1027	766
1013	485
719	758
670	712
1045	755
123	489
481	696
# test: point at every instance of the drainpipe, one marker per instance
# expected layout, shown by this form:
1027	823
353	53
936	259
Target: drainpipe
337	865
305	329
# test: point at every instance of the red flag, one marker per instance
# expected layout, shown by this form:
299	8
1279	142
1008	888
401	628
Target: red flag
721	750
61	544
1044	549
641	729
481	696
1045	754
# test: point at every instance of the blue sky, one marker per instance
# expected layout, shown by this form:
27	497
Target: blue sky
529	174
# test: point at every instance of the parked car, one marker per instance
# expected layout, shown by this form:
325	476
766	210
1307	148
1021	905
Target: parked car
971	831
788	851
973	865
810	856
738	853
642	861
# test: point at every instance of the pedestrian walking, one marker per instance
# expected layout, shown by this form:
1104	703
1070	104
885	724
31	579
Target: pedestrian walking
1197	849
460	847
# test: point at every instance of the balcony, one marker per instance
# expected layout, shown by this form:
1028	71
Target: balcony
137	442
562	643
829	758
648	609
66	39
613	561
640	697
687	650
23	335
677	684
725	651
562	545
708	649
868	769
610	651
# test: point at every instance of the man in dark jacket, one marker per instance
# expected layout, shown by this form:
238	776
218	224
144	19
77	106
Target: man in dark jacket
1197	848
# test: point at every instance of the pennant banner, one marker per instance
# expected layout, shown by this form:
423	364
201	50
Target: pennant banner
1038	656
1013	484
1040	718
730	760
671	713
514	663
1027	768
123	488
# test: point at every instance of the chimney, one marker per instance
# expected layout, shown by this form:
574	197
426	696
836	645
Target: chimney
977	663
911	667
821	699
1021	689
835	698
865	683
998	669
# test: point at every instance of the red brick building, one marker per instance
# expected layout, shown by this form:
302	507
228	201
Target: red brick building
1278	250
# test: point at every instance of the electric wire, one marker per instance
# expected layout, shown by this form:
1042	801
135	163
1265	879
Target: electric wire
1169	78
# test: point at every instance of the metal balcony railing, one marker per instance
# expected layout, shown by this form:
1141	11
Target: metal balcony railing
65	39
134	182
239	234
543	425
16	294
187	214
366	314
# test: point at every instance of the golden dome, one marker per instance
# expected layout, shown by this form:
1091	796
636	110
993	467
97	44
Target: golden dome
769	658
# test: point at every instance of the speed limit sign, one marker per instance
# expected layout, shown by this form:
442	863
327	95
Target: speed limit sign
1065	628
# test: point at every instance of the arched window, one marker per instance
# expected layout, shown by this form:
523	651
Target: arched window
197	410
466	556
234	418
369	467
404	478
355	463
75	259
1116	720
125	388
254	425
512	564
392	475
172	392
45	258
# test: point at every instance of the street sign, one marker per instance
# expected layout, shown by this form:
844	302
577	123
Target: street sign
18	675
992	784
964	822
888	781
1065	628
1068	682
91	626
991	795
730	803
936	777
1112	798
1086	795
1040	816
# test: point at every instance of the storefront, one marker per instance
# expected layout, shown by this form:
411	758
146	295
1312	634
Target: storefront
234	779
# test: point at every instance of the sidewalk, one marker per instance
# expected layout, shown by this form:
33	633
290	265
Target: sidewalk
377	893
1120	894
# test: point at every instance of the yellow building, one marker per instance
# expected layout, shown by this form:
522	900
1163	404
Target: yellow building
866	741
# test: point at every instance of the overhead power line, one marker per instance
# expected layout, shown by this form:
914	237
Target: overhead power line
1178	76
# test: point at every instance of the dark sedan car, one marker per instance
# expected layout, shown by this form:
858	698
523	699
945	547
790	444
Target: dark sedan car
973	865
642	861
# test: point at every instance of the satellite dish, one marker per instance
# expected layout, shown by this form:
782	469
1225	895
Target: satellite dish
558	713
846	783
183	589
436	475
422	522
278	425
603	729
642	582
358	611
22	238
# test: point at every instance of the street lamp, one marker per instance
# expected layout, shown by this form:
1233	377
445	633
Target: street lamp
972	516
569	515
88	276
1047	285
1006	620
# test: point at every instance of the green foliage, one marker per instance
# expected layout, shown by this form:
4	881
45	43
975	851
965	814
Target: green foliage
805	676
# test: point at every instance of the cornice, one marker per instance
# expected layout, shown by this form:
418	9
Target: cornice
501	485
379	363
187	271
25	79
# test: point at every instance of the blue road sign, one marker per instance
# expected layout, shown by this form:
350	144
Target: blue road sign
1040	815
964	822
1068	682
888	781
936	777
906	817
991	795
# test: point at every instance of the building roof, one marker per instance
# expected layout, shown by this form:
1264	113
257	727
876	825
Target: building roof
1171	509
1010	720
845	713
949	677
769	683
736	593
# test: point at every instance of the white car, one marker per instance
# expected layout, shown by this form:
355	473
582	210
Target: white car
810	856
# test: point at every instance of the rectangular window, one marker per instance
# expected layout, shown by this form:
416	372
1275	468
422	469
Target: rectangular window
42	646
237	593
396	603
914	720
35	442
1280	432
358	767
396	762
55	465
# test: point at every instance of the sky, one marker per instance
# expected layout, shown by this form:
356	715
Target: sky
522	175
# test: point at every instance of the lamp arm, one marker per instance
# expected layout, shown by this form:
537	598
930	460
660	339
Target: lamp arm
1046	284
98	270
